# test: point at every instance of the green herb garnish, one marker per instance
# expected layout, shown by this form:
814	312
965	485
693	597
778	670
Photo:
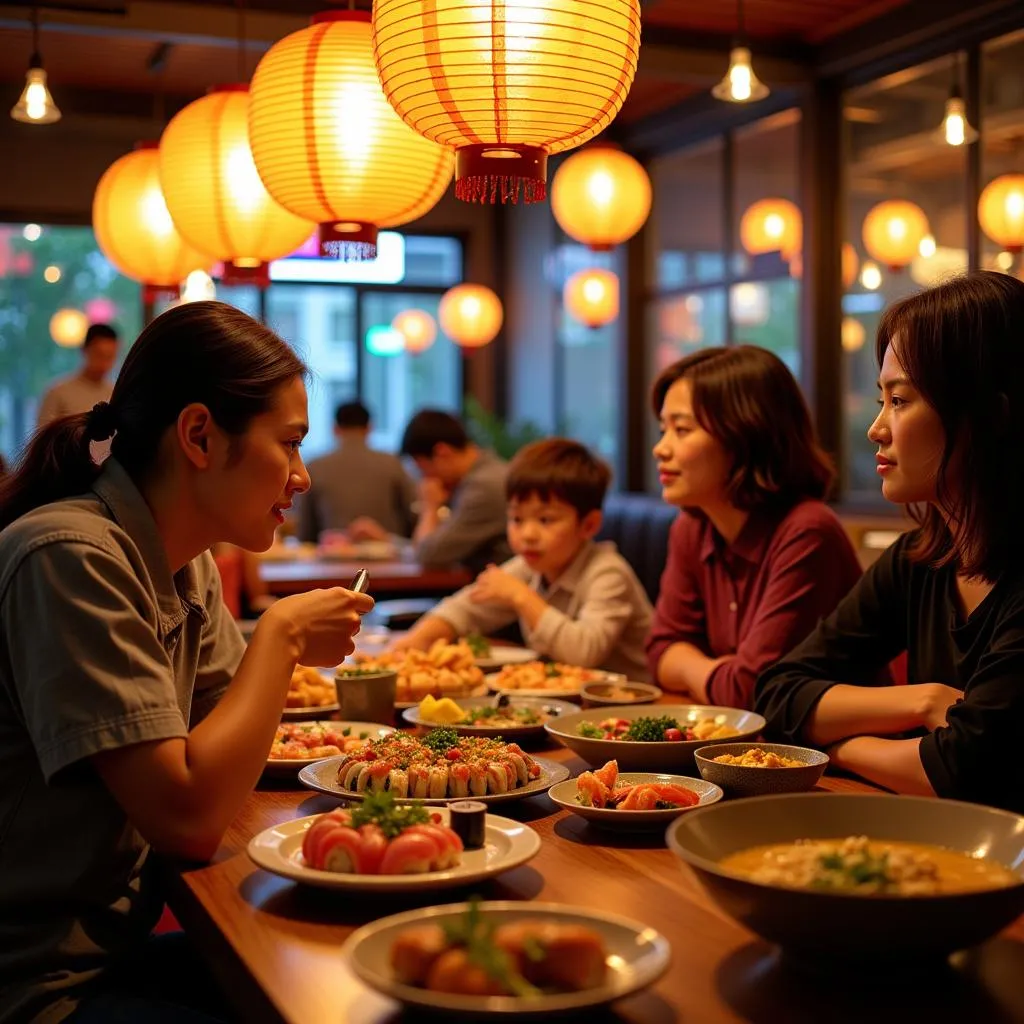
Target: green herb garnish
441	740
650	730
352	670
381	809
479	645
347	731
590	730
476	934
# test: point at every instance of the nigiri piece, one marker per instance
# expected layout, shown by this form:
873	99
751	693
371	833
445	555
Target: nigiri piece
448	845
414	951
409	854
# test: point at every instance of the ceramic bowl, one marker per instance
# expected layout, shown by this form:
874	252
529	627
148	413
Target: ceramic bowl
739	780
606	694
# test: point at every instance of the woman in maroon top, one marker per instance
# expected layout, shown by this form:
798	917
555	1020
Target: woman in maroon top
757	558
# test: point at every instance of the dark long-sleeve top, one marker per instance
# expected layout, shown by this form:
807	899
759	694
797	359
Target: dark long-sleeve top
902	605
754	599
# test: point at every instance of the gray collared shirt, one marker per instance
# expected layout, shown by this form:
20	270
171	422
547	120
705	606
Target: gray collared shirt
356	481
474	534
72	395
598	614
102	647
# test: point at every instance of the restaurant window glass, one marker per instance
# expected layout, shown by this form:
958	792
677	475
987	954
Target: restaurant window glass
764	301
45	270
893	152
1002	135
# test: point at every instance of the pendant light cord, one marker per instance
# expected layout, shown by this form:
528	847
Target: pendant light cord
241	40
35	31
739	21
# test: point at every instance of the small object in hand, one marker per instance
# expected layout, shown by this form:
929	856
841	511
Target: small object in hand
360	582
467	818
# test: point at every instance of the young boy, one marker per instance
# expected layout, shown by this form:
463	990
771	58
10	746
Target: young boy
577	601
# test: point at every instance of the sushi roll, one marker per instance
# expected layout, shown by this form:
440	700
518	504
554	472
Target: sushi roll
398	782
477	780
438	787
409	854
458	780
497	780
522	772
419	781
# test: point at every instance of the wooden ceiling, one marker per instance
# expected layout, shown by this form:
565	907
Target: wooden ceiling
149	57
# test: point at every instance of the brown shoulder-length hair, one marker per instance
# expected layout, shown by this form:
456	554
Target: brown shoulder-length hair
748	400
961	345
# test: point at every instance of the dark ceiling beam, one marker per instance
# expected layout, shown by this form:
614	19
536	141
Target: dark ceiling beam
687	65
914	32
695	120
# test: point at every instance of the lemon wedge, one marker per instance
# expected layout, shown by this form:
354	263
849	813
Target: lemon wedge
444	710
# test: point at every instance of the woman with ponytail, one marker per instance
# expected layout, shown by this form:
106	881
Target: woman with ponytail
131	714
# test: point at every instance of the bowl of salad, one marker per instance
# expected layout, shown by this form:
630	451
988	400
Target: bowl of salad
651	738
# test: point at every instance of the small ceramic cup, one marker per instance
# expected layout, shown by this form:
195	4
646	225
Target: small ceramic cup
366	696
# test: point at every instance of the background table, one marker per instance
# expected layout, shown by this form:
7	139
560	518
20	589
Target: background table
275	945
387	579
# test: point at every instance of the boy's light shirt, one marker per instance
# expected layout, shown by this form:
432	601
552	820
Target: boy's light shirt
598	613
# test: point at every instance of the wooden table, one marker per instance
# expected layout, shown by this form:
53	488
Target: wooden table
387	579
274	945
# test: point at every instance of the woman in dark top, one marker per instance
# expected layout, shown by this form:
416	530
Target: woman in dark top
757	558
951	594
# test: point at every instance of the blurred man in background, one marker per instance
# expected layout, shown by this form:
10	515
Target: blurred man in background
80	392
364	492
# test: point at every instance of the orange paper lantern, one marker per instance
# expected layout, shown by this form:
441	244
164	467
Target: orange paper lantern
417	327
601	196
772	225
892	232
1001	211
327	144
850	264
133	227
592	296
212	188
852	334
470	314
506	84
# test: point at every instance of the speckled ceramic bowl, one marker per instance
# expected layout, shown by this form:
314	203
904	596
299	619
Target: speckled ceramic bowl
740	780
608	694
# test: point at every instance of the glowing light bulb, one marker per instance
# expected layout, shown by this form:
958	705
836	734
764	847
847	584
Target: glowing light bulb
870	276
35	105
927	247
955	129
31	232
740	84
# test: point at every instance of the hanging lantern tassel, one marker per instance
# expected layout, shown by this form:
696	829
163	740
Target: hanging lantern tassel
349	241
490	174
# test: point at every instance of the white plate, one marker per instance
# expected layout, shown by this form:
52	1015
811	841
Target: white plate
501	656
507	845
305	714
557	692
323	777
281	766
564	794
508	732
637	957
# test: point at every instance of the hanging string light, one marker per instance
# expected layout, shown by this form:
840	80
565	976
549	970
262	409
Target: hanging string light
740	84
506	84
35	105
955	129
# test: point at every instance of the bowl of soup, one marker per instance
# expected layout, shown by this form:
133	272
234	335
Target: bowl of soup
840	878
614	691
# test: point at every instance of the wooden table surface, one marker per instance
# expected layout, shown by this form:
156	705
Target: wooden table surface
274	944
386	578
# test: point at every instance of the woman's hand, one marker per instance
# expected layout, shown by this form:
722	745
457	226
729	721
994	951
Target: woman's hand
320	624
938	699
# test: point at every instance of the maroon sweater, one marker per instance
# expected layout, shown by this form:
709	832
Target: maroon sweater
754	599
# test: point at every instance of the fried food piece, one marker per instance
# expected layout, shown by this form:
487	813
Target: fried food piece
414	951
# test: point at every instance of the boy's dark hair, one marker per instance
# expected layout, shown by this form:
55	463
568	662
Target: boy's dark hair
351	415
99	332
748	400
430	427
562	469
962	347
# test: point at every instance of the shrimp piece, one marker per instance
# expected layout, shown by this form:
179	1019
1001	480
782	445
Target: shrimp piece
591	791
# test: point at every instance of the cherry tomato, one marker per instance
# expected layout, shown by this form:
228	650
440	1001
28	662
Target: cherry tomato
673	735
453	754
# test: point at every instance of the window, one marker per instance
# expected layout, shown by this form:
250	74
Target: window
894	152
397	384
44	270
